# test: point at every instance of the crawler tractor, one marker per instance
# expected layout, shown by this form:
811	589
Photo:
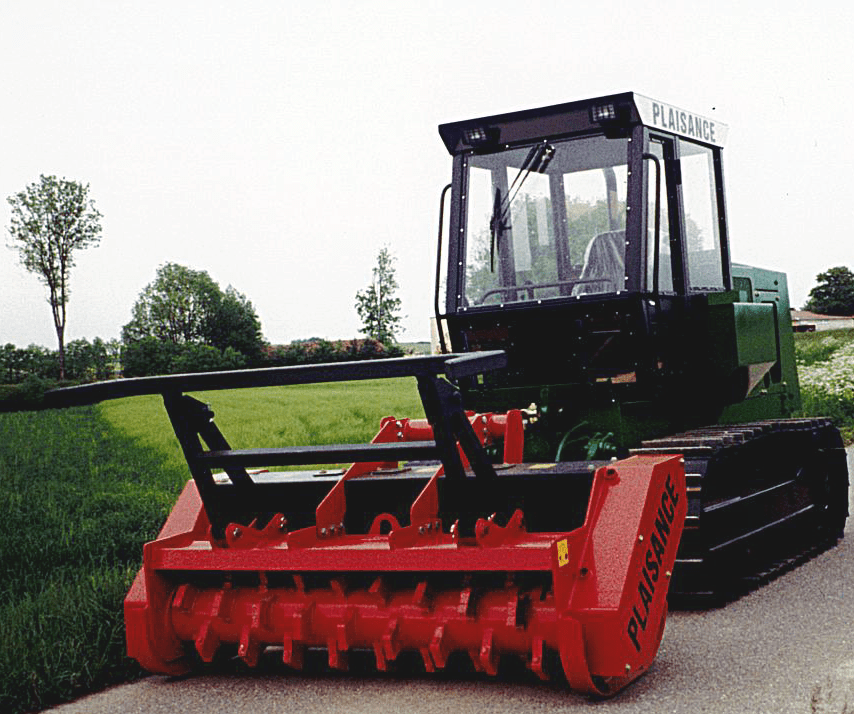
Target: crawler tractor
609	417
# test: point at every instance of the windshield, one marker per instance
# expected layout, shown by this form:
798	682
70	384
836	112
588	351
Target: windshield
545	220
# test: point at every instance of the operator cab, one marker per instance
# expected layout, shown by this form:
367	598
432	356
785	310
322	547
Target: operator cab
582	201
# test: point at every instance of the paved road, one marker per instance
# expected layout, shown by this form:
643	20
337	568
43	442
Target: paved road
788	647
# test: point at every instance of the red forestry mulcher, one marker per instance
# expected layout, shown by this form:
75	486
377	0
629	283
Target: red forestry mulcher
397	553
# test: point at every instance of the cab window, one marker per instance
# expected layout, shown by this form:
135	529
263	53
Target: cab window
700	206
545	221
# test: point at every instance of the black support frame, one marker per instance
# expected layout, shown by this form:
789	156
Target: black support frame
206	448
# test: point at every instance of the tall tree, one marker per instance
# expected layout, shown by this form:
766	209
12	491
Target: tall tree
834	294
377	304
186	307
234	323
175	307
51	219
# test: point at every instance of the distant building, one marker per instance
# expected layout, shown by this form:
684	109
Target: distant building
804	321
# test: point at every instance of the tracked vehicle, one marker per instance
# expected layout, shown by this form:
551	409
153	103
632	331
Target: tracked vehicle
605	379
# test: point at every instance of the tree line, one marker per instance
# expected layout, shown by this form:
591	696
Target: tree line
84	361
182	321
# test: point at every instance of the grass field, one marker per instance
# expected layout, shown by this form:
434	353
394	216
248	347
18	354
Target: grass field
345	412
78	500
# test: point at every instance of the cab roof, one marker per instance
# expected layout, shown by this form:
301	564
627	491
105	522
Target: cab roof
614	112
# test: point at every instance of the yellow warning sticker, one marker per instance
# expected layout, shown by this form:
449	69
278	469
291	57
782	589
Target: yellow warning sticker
562	553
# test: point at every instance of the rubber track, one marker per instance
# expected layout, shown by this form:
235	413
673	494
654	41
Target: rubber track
763	497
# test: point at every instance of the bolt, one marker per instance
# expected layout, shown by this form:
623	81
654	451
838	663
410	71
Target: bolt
235	532
640	538
422	530
667	574
323	533
628	668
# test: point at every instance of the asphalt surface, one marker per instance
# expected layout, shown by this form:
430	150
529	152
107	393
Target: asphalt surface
786	647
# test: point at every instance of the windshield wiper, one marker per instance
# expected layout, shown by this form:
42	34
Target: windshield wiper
538	159
496	228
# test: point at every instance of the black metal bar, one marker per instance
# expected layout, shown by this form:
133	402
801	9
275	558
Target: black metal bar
469	365
329	453
186	413
444	410
474	363
437	411
656	256
443	348
212	436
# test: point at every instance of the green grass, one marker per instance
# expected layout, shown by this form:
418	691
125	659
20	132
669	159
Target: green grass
78	500
82	489
344	412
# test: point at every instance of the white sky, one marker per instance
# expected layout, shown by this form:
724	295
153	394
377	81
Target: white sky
279	145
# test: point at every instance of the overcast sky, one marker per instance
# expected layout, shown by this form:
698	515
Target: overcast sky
280	145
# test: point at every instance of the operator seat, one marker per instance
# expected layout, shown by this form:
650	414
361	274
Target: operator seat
604	258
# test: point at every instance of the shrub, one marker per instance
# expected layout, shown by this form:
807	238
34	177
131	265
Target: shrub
317	350
204	358
150	356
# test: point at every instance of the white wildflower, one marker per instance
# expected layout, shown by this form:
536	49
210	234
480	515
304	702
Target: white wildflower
834	377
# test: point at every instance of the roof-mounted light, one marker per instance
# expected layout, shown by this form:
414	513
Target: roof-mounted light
614	117
603	112
481	136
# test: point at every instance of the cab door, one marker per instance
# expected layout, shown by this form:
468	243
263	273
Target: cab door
702	215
